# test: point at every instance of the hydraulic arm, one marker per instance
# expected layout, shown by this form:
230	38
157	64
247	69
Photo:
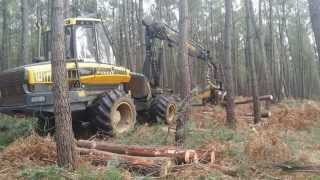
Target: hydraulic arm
163	32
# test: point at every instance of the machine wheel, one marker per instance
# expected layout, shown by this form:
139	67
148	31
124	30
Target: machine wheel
163	109
45	125
113	113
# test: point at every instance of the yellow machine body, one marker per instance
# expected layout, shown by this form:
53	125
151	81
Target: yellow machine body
93	73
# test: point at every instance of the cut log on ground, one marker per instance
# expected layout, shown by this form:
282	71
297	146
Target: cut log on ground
263	114
250	100
145	165
296	168
179	155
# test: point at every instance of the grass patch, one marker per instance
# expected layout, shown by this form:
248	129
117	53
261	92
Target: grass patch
82	173
314	178
13	128
302	139
314	135
216	175
147	135
197	138
49	173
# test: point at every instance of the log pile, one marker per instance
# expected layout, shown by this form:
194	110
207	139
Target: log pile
142	158
250	100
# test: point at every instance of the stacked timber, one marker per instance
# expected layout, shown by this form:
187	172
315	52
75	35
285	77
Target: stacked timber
143	158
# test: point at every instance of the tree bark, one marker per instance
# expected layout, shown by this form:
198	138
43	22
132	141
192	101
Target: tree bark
64	135
260	37
5	35
129	54
250	56
185	88
141	37
24	33
67	10
183	51
231	120
314	7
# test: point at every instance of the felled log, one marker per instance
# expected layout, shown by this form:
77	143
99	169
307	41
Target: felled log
250	100
179	155
263	114
297	168
142	164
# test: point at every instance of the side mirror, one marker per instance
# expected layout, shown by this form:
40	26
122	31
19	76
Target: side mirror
38	59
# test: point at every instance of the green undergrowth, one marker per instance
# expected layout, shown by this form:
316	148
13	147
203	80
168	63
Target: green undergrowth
12	128
196	138
304	142
156	134
82	173
315	178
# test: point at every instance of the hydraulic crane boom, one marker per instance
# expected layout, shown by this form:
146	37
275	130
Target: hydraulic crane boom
160	31
163	32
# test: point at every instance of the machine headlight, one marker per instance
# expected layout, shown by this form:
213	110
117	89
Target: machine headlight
38	99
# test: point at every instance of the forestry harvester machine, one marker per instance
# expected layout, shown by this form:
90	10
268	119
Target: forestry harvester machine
103	95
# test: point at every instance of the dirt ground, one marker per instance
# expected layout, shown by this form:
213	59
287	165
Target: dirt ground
268	150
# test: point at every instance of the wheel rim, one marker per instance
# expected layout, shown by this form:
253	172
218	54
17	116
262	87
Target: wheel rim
171	113
122	118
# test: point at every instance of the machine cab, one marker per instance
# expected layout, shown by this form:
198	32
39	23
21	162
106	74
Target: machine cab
86	40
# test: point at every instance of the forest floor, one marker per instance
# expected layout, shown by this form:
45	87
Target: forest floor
269	150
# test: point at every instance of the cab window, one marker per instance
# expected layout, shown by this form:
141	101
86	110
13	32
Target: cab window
85	44
104	48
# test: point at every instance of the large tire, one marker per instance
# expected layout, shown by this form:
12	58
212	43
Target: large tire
163	109
113	113
45	125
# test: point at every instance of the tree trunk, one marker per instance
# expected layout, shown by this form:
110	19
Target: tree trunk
314	6
260	37
24	34
64	135
5	35
185	88
75	8
141	37
67	10
231	120
250	56
129	59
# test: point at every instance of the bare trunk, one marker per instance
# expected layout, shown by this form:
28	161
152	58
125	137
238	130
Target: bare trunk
314	6
231	120
254	82
260	37
64	135
24	34
66	12
185	88
183	51
129	58
5	35
141	37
